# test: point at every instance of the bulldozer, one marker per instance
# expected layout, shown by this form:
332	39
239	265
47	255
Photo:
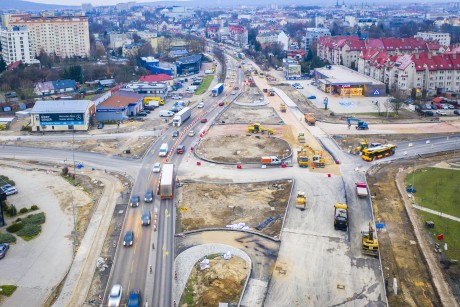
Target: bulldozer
301	200
256	128
302	157
370	245
317	157
283	107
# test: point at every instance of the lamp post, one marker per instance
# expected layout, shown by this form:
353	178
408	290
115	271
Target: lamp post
73	200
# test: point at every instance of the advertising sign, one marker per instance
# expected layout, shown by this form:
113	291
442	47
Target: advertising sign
294	71
62	119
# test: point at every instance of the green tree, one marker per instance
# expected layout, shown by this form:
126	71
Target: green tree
413	93
74	72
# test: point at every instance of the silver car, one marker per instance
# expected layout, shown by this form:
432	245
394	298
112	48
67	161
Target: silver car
115	294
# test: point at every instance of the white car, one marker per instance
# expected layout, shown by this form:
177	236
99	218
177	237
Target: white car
200	105
156	168
9	189
176	97
233	93
442	113
115	296
191	133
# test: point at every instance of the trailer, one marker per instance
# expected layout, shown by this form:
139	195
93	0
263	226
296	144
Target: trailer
217	90
182	116
167	181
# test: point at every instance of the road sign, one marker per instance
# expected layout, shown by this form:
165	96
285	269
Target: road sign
376	93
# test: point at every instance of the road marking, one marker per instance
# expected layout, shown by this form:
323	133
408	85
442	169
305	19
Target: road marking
129	285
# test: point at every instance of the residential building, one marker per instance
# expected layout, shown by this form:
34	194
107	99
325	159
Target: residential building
117	40
312	35
271	37
16	45
131	49
64	36
442	38
55	87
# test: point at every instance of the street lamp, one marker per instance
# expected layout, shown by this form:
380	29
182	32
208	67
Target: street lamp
413	174
73	200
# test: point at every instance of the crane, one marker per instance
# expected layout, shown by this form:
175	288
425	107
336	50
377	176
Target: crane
360	124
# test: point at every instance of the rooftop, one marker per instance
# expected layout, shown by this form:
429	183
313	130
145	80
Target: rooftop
340	75
118	101
61	106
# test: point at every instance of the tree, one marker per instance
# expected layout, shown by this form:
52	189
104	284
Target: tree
413	93
74	72
45	59
145	50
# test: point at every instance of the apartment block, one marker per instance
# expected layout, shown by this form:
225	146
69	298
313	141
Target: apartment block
16	45
65	36
312	35
442	38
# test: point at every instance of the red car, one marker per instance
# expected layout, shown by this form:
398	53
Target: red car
221	103
204	120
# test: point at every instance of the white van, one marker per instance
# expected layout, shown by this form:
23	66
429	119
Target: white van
166	113
163	150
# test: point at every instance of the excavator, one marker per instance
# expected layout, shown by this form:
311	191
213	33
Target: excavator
370	245
360	124
317	157
256	128
302	157
301	200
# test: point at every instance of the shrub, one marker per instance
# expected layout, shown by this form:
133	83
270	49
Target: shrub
38	218
7	238
33	208
18	220
15	227
23	210
6	180
8	289
29	231
12	211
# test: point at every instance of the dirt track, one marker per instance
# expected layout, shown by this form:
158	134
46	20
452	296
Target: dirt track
248	115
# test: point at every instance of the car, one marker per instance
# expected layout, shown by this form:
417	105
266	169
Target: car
148	198
128	240
115	294
191	133
176	97
146	218
442	113
221	104
134	299
299	87
445	107
135	199
233	93
200	105
174	110
3	249
236	88
428	106
180	149
175	134
147	111
156	168
142	113
100	125
449	106
10	190
204	120
311	97
6	186
457	112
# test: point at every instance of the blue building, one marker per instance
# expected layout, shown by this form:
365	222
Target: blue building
189	65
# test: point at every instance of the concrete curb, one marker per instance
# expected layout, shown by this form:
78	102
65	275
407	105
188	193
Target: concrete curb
227	229
287	208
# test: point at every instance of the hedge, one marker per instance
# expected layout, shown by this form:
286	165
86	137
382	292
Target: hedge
38	218
29	231
7	238
15	227
7	290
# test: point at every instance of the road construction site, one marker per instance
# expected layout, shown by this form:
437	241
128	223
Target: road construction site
247	115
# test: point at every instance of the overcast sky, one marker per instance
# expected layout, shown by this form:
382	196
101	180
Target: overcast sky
93	2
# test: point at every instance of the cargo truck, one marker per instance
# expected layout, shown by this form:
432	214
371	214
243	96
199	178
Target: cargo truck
217	90
167	181
310	119
153	99
361	189
182	116
270	160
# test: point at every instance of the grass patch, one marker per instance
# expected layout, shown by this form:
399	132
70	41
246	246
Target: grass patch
204	85
7	238
7	290
15	227
37	219
450	229
187	296
29	232
29	227
437	189
5	180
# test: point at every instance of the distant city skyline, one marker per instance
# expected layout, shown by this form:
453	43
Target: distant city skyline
93	2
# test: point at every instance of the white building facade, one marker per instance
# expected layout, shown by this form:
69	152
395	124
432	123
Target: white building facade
16	45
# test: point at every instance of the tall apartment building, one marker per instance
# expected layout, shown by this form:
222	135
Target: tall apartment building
442	38
312	34
65	36
16	45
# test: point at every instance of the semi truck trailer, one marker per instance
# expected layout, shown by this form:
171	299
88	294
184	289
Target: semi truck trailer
182	116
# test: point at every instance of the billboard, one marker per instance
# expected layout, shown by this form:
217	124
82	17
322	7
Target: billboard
62	119
293	71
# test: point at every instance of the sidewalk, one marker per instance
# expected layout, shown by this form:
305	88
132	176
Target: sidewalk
81	273
438	213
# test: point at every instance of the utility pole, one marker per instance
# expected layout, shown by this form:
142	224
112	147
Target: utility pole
73	199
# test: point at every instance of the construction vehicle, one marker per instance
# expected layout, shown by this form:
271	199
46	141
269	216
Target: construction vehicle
310	119
317	157
379	152
340	216
302	157
370	245
301	137
256	128
283	107
301	200
360	124
365	145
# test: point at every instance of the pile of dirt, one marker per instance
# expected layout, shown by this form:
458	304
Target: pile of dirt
222	282
209	205
242	148
248	115
250	94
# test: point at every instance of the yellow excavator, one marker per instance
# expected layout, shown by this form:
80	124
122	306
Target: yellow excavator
317	157
256	128
302	157
370	245
301	200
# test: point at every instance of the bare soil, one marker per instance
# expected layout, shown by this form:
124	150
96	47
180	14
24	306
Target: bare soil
242	148
222	282
212	205
401	256
248	115
250	94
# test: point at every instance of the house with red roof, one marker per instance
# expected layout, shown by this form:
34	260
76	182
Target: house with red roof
158	78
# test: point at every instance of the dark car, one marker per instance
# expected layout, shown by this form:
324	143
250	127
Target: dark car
100	125
175	110
147	111
180	149
143	114
221	103
129	238
134	299
204	120
148	196
135	200
3	249
457	112
175	134
146	217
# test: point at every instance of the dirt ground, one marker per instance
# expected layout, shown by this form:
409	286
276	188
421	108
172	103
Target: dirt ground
248	115
222	282
242	148
250	94
208	205
401	256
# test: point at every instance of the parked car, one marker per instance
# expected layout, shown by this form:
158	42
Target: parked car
134	299
115	294
175	134
176	97
128	240
428	106
100	125
3	249
442	113
191	133
299	87
429	113
233	93
457	112
156	168
449	106
204	120
142	113
148	198
147	111
9	190
312	97
200	105
135	200
180	149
